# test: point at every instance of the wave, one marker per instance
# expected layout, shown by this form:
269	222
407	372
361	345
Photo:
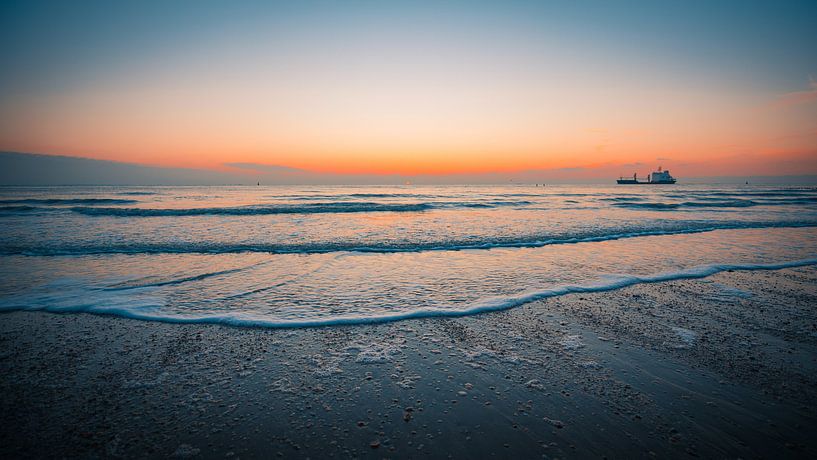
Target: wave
150	310
752	193
711	202
68	201
688	204
387	247
17	209
386	195
657	206
308	208
797	200
623	199
518	195
488	204
354	195
330	207
96	206
187	279
720	204
763	199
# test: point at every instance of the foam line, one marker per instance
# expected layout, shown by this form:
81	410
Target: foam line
483	306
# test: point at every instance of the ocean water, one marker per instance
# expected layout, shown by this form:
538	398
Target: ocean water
316	255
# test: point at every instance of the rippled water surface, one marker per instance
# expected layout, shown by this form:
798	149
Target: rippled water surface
288	256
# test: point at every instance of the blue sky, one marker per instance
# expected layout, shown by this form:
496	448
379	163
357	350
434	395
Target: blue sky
53	40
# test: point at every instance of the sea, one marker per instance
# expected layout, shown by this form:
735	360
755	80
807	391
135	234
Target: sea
304	256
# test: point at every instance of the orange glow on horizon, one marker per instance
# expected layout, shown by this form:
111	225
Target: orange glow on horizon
354	129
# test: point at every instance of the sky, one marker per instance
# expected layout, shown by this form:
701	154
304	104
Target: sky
415	88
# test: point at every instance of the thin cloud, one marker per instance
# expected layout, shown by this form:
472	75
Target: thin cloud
260	167
797	97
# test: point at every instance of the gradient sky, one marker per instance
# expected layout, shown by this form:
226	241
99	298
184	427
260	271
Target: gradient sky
707	88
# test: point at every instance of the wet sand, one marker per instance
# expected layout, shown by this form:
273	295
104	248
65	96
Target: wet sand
720	367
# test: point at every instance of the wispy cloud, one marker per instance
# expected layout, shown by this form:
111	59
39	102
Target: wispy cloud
266	168
797	97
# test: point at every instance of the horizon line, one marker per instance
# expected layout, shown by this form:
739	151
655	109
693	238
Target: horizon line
22	169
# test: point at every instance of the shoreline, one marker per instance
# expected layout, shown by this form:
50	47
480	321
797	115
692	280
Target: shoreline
721	366
488	305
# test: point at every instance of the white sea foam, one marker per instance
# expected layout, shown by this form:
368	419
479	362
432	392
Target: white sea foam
327	365
376	353
407	381
572	342
146	304
283	385
727	294
686	336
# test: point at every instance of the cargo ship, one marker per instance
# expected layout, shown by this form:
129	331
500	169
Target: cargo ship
656	178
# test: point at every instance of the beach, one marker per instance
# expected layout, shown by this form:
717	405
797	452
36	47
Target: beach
399	230
722	366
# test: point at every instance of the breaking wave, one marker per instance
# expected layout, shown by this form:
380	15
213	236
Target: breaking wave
151	309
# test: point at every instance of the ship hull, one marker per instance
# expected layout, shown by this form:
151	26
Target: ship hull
635	182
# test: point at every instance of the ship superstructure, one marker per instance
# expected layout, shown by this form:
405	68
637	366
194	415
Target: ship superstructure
655	178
